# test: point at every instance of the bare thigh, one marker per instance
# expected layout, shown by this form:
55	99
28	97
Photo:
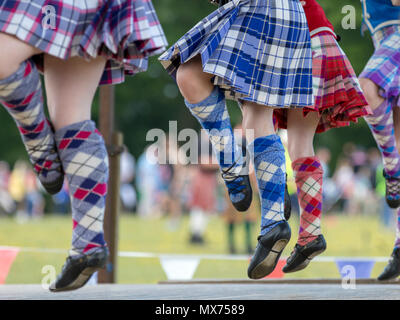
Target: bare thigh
70	88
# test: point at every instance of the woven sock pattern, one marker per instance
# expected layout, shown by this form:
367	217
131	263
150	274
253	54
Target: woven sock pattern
84	157
21	95
381	125
213	116
268	155
382	128
308	174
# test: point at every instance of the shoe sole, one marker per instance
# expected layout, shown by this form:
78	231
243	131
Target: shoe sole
393	277
268	265
306	262
79	282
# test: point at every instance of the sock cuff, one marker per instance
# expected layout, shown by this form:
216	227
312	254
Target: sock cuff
25	80
73	136
215	96
71	130
259	145
24	68
307	164
383	108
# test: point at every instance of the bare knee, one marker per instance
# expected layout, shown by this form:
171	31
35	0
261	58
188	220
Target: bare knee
186	80
7	66
194	84
13	52
371	92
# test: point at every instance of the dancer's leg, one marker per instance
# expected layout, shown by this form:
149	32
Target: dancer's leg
21	95
308	176
70	87
207	104
381	125
268	156
307	171
392	269
269	162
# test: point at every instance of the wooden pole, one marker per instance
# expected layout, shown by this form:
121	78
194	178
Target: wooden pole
114	143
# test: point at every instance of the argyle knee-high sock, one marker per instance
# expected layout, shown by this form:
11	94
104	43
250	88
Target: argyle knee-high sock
268	155
84	157
381	125
213	116
308	174
21	95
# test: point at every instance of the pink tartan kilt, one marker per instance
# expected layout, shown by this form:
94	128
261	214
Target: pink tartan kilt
338	96
127	32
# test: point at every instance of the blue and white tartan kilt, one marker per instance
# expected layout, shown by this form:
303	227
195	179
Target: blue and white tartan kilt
126	32
258	50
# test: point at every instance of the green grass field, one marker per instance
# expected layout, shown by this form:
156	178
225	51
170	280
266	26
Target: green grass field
346	236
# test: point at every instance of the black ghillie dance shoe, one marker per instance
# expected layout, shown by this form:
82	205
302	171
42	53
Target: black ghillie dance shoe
78	269
392	191
268	251
301	256
392	270
240	192
239	186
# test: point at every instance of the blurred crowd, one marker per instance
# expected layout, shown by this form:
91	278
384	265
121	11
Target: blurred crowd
20	192
171	189
353	185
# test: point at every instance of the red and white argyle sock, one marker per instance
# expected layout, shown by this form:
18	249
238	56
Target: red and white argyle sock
308	174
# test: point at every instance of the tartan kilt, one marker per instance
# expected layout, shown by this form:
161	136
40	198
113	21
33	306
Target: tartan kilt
257	50
338	96
126	32
383	68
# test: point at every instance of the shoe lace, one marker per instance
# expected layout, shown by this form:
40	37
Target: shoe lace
235	186
296	247
233	182
44	149
392	183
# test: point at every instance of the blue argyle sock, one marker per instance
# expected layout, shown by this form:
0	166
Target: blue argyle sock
268	155
213	116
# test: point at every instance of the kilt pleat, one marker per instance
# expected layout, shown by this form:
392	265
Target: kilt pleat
126	32
383	68
338	96
257	50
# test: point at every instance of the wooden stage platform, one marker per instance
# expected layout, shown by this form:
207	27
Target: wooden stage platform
279	289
